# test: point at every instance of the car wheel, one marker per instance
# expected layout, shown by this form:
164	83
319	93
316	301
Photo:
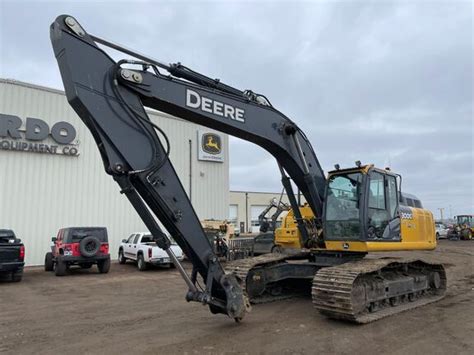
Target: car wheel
104	266
48	262
60	266
17	276
141	263
277	249
121	258
172	266
437	235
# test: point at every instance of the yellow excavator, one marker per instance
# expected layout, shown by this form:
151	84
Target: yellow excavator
349	213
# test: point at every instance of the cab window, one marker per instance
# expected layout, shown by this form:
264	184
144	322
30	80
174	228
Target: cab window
379	213
135	241
342	206
147	238
377	192
129	240
392	195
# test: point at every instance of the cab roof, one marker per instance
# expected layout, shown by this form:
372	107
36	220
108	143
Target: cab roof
363	168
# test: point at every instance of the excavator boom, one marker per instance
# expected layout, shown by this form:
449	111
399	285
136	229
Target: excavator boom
110	97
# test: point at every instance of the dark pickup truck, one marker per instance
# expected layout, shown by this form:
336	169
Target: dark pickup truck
12	255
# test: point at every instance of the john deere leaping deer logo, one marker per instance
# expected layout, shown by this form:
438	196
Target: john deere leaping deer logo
211	143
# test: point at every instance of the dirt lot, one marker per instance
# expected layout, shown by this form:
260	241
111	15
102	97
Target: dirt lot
145	312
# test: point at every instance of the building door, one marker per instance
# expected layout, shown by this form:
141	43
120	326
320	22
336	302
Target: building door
255	211
233	215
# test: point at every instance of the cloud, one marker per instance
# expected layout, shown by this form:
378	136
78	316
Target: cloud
377	81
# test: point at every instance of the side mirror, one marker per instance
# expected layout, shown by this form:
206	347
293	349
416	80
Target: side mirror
53	239
124	240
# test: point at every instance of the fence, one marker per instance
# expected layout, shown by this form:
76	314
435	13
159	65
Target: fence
240	248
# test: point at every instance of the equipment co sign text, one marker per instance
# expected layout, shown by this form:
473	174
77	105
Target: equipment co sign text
30	139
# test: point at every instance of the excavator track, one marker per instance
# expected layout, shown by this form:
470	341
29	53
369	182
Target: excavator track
370	289
243	268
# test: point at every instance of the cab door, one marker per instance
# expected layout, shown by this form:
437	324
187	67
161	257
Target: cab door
134	247
383	221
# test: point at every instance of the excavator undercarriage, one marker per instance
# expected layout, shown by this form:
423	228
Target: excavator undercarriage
370	289
354	289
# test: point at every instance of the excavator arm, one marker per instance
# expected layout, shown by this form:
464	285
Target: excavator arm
269	222
110	97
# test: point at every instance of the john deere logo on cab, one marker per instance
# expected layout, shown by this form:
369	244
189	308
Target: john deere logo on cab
211	143
206	104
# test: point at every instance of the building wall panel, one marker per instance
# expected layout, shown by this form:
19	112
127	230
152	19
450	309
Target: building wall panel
41	193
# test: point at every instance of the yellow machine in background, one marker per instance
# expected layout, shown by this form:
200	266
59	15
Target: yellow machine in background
288	236
222	227
464	227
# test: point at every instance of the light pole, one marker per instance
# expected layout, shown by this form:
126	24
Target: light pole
441	209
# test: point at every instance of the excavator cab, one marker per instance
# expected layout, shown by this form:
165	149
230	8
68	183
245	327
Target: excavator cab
362	204
363	212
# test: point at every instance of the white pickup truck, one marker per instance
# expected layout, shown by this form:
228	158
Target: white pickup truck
141	248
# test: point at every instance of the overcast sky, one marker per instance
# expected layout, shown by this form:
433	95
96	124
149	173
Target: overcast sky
389	83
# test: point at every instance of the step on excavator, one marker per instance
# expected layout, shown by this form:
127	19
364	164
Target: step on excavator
351	212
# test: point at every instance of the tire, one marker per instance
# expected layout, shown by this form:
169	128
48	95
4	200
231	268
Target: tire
172	266
121	258
142	266
85	265
48	262
60	266
89	246
437	235
17	276
103	266
277	249
466	234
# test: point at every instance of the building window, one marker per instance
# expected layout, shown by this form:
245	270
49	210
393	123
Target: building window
233	215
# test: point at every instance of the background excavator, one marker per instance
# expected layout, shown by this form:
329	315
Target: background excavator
268	223
350	213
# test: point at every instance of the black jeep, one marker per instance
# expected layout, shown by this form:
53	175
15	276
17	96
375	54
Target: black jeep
82	246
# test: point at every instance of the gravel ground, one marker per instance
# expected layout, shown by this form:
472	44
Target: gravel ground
145	312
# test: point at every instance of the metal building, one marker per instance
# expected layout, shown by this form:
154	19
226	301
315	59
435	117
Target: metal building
52	176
